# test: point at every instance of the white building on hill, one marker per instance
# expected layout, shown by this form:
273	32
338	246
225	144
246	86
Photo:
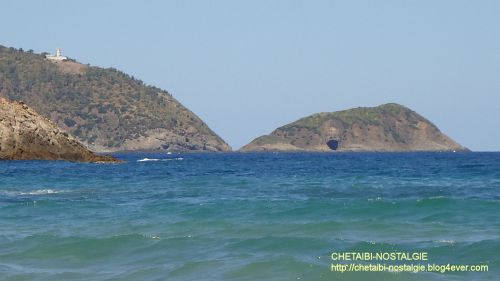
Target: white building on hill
58	56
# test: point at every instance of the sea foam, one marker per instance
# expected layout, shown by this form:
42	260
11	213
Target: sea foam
156	159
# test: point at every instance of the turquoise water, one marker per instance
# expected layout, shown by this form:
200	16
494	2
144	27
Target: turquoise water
247	216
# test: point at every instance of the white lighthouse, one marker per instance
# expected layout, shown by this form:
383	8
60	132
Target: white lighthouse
57	57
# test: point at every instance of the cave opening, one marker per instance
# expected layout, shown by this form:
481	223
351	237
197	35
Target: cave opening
333	144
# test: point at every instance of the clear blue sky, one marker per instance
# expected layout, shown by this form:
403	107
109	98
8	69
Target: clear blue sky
247	67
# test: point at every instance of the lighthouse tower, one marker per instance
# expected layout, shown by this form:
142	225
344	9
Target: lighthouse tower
57	57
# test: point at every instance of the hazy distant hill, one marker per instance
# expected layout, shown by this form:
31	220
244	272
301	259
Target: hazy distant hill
388	127
106	109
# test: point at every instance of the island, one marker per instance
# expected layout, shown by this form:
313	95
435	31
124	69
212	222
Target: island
388	127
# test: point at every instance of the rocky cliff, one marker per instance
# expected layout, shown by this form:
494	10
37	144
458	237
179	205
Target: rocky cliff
24	134
105	109
388	127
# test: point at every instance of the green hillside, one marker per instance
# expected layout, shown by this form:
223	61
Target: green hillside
106	109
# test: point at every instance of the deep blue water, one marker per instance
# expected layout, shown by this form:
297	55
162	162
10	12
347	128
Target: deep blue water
247	216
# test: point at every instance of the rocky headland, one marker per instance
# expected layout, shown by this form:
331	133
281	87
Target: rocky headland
104	108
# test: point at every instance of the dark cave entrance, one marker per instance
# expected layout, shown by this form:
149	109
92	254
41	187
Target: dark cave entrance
333	144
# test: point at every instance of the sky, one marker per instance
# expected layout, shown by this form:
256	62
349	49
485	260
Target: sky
248	67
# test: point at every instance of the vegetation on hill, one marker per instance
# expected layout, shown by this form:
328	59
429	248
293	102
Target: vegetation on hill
105	108
365	115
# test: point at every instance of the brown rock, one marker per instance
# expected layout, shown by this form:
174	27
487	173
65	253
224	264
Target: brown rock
26	135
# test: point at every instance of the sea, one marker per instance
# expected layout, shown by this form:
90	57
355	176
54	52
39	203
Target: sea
253	216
